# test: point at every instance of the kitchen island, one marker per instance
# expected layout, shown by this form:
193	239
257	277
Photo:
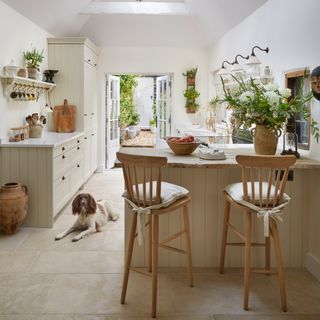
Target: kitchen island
206	179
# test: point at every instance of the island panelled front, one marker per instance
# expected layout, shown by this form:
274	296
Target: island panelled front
206	180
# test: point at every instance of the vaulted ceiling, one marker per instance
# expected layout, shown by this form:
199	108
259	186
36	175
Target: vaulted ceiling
208	20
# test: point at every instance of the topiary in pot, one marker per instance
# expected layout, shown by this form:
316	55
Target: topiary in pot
33	59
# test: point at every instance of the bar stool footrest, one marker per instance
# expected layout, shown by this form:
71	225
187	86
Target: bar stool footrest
164	246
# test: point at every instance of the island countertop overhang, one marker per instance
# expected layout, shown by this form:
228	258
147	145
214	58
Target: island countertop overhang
193	161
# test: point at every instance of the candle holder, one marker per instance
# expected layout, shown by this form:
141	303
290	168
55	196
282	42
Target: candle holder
290	144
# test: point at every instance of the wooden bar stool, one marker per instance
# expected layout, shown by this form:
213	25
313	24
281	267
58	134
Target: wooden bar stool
264	198
153	197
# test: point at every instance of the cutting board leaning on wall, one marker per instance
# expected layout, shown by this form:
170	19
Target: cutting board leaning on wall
64	117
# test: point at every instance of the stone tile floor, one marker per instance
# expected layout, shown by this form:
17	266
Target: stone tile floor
43	279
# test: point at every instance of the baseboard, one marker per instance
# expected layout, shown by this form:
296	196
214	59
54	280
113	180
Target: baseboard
313	265
100	168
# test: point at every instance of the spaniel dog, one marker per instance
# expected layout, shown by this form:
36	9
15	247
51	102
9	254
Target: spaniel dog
92	216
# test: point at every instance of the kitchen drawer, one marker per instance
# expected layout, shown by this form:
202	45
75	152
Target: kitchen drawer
76	176
61	163
61	192
67	146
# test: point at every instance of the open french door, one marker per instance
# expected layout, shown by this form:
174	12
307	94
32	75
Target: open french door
163	102
112	119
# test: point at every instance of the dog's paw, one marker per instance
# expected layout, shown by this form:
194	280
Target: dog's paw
56	238
75	239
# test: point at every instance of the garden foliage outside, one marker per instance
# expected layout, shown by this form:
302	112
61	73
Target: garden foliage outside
129	115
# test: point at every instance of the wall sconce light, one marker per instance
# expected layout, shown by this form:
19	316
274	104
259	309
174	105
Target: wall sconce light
223	70
253	61
236	67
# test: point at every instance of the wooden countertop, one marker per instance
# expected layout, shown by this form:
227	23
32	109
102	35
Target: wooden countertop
193	161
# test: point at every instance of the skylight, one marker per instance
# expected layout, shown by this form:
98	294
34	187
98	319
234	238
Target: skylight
139	7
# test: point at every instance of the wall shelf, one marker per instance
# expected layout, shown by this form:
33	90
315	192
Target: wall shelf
19	84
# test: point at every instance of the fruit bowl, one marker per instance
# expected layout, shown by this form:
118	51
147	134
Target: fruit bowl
183	145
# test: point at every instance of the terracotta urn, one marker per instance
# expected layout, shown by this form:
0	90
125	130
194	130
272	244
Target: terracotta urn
13	206
265	141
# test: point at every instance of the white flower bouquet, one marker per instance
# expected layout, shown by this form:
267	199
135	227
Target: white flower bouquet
253	103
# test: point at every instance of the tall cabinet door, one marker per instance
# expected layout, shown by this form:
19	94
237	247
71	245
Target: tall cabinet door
90	96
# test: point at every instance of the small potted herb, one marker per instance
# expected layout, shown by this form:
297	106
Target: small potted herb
191	76
153	125
33	59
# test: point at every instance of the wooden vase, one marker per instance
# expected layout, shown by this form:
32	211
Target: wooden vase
13	206
265	141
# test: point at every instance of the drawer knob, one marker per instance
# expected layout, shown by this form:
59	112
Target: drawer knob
78	141
92	113
85	114
63	156
85	138
92	134
95	64
89	60
63	178
78	165
63	148
78	148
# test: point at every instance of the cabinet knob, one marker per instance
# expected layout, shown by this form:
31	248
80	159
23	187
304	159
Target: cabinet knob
92	113
95	64
78	141
78	148
85	138
63	156
89	60
63	148
63	178
78	165
92	134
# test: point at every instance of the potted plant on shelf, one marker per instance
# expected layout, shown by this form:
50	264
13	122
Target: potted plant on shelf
191	94
33	59
191	76
266	108
153	125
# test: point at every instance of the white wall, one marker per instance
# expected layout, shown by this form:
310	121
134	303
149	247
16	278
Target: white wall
291	30
143	98
17	34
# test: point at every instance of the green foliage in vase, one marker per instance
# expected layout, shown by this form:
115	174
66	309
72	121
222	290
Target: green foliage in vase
33	58
129	115
253	103
153	122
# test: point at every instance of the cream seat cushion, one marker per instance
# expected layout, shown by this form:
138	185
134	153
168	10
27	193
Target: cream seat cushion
235	191
169	194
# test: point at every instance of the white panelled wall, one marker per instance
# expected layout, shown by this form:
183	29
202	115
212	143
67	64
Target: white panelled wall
18	34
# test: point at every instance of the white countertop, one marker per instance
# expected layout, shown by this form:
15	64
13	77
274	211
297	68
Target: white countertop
48	140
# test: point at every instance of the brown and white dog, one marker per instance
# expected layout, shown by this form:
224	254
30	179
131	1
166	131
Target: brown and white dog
92	216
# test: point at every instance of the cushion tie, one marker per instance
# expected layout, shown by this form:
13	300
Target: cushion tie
274	213
140	211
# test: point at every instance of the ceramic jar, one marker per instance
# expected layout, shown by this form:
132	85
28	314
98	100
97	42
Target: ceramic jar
13	206
35	131
265	141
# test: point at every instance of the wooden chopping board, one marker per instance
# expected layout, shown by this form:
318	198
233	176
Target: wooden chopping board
64	117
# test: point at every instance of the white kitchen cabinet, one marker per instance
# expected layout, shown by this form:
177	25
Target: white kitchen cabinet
77	61
53	170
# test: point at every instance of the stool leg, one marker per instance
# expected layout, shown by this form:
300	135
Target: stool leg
155	246
267	253
150	244
247	260
188	243
224	235
128	258
277	248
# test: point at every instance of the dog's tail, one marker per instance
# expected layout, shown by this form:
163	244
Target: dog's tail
108	210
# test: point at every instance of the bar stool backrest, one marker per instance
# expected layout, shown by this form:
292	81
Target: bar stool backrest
271	169
150	169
